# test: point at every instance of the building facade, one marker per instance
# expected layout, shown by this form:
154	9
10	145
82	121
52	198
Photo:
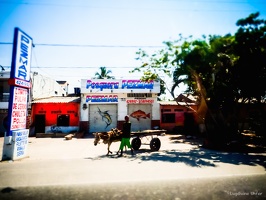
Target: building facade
41	87
4	98
174	115
178	115
105	103
55	115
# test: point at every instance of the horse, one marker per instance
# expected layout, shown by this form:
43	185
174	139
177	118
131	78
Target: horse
114	135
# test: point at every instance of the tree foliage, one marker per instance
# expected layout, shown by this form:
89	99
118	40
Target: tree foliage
220	70
104	74
250	48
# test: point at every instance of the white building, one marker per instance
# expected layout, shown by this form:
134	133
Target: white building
105	102
43	87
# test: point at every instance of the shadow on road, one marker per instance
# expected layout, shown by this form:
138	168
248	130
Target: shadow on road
200	157
196	156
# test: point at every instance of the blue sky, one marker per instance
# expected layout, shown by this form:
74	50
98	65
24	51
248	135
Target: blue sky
73	38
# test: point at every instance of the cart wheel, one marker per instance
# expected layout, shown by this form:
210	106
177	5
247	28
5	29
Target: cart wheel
135	143
155	144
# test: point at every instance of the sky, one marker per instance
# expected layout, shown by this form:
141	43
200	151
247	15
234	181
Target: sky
74	38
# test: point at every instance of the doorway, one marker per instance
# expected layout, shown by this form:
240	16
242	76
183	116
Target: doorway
39	124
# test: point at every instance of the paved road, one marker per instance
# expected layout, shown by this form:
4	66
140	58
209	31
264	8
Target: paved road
76	169
217	188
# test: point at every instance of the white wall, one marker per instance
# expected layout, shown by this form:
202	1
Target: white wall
89	91
43	87
156	110
84	114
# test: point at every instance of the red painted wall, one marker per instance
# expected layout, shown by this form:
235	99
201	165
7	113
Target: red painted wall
178	111
52	110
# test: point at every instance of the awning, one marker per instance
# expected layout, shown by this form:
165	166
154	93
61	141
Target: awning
58	100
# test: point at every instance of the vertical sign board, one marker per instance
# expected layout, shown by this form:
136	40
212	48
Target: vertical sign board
16	136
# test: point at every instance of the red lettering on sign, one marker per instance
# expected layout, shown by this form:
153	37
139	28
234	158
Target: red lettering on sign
140	101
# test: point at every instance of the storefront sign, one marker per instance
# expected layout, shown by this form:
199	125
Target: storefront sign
124	84
140	101
19	109
19	88
101	98
136	84
22	54
21	143
102	85
19	82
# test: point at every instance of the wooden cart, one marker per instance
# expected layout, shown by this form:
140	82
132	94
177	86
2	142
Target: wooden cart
151	136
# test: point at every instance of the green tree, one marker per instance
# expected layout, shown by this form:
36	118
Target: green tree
220	70
104	74
251	66
251	49
154	67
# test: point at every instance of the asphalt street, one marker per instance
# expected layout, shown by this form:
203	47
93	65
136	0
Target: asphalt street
76	169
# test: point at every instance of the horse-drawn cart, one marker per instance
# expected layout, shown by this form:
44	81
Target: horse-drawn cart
151	136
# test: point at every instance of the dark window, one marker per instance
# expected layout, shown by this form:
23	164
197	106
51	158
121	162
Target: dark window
1	92
179	110
139	95
63	120
168	118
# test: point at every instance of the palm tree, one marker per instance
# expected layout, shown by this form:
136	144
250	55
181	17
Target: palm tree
104	74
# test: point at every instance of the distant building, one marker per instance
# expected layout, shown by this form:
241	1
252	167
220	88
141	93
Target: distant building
64	85
173	113
4	98
42	87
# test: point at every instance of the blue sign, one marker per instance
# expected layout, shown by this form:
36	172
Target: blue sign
21	143
21	58
102	98
16	136
137	84
19	81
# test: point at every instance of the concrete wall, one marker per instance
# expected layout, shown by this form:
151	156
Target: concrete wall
44	87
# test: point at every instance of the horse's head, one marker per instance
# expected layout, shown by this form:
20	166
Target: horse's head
97	138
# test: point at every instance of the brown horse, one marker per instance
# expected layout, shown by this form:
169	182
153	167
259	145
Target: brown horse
114	135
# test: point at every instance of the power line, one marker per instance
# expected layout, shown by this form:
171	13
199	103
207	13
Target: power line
124	7
75	67
101	46
83	67
88	45
35	58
